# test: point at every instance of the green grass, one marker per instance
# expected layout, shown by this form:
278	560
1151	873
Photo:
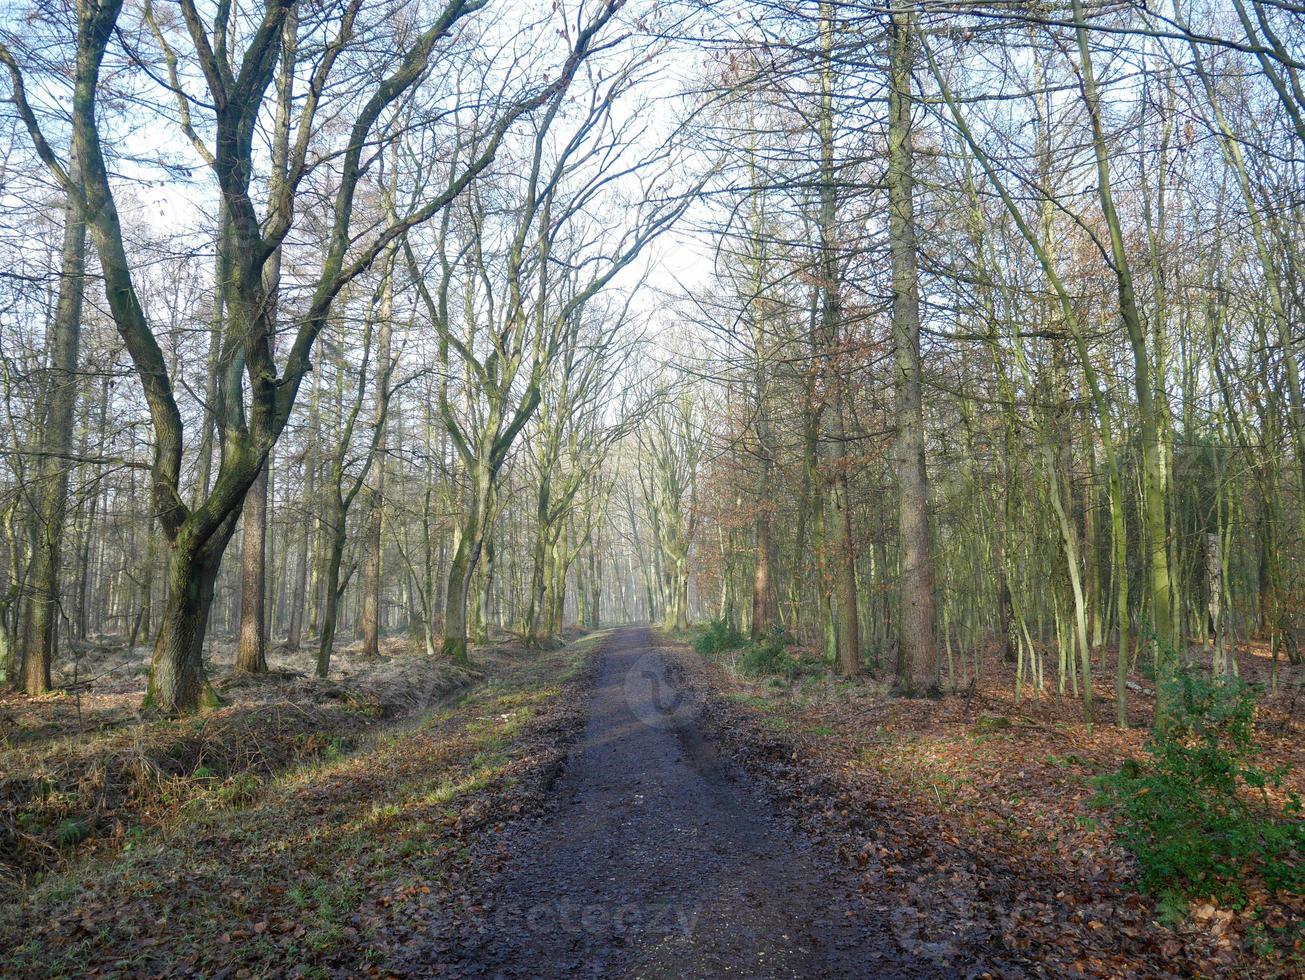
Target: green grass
752	700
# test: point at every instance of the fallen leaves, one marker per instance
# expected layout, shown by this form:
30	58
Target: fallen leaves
1002	867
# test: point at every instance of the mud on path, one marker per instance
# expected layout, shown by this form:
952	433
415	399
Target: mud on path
660	858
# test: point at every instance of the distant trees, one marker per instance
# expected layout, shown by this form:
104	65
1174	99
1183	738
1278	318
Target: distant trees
508	289
580	421
670	450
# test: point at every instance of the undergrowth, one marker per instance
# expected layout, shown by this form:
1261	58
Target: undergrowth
1197	813
719	635
770	657
767	657
74	793
310	877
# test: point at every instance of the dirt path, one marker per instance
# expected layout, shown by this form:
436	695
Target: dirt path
661	859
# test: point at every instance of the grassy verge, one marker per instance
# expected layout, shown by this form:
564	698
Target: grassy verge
330	867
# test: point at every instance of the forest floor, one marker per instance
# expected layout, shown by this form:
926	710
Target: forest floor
616	807
973	820
310	871
81	769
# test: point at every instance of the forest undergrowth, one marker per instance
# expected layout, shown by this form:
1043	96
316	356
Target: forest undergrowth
334	866
1004	830
84	773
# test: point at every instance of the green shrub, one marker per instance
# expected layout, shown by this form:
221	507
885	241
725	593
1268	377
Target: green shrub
770	657
720	634
72	832
1197	816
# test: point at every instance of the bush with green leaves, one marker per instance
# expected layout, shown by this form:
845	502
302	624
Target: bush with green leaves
720	634
770	657
1196	812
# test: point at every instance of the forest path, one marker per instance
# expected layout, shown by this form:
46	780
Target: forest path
662	859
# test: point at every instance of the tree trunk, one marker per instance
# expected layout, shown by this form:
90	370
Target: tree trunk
917	654
251	655
840	497
596	589
762	607
566	556
1069	537
55	448
677	607
1005	622
536	629
455	606
371	579
298	594
466	554
9	608
177	681
331	592
480	611
848	633
371	572
221	274
303	595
